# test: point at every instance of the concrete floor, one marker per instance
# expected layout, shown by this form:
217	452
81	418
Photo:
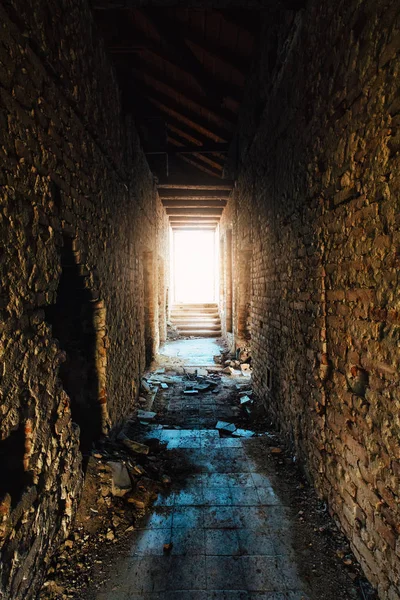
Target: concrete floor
230	532
194	353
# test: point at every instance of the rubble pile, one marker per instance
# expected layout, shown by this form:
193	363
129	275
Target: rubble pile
238	366
122	479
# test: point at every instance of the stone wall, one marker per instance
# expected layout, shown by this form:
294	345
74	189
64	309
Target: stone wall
235	299
78	211
318	177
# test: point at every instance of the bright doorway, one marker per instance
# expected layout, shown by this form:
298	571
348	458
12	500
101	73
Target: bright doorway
194	264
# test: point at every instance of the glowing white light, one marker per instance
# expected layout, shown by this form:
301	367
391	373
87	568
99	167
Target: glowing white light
194	266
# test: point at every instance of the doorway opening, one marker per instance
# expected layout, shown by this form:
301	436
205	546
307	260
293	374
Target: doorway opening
195	266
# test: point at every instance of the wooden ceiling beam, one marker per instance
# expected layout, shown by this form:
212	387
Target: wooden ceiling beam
205	4
169	89
194	212
193	195
198	165
195	122
194	203
234	61
187	134
209	159
192	149
193	221
170	185
171	35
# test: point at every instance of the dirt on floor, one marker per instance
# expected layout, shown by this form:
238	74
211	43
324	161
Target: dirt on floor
108	514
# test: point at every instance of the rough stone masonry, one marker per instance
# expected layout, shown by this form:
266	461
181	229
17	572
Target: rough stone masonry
312	236
317	195
78	211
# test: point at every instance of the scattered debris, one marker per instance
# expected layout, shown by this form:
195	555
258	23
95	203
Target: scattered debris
245	400
190	392
146	415
145	386
121	482
245	433
223	426
135	447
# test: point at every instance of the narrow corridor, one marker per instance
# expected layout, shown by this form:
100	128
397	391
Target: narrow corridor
199	202
224	530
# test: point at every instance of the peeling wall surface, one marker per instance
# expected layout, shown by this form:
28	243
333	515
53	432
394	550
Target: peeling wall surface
318	175
78	210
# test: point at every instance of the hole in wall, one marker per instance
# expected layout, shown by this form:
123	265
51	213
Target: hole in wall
72	320
13	478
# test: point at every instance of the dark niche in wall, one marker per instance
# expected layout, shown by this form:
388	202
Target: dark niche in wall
13	477
72	320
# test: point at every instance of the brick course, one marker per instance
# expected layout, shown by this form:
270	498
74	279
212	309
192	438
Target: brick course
318	194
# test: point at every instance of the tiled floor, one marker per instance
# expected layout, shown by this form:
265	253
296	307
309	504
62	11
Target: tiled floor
230	532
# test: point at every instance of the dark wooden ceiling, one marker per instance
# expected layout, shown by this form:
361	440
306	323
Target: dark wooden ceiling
182	72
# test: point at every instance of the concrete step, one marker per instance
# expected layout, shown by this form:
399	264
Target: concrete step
207	305
187	319
200	320
215	326
185	327
202	332
205	311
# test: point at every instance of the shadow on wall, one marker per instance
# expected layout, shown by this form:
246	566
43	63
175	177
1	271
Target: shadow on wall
14	479
149	307
72	320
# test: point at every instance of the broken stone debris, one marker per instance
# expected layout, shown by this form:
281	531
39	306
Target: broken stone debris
135	447
146	415
245	399
245	433
145	386
121	482
190	392
224	426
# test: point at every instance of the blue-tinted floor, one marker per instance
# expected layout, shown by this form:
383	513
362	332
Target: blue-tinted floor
230	532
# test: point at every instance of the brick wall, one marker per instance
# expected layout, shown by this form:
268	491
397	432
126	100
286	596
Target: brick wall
318	192
78	210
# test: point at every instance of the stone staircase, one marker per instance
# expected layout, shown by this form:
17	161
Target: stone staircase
200	320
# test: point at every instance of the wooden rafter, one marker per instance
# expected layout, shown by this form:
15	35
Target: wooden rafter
194	212
215	50
193	194
192	121
155	80
225	186
199	166
183	54
211	4
194	219
194	203
201	156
